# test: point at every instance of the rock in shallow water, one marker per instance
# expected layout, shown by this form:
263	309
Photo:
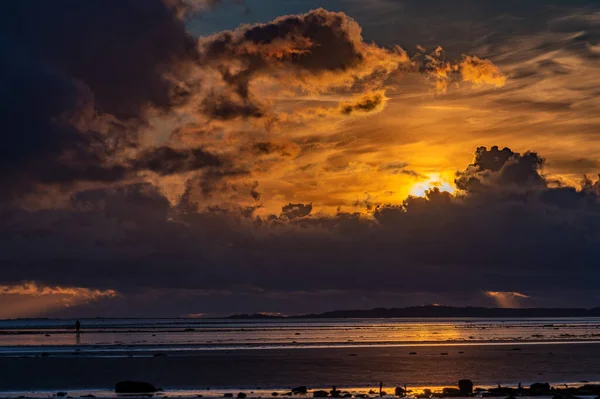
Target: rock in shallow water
465	386
539	389
134	387
300	389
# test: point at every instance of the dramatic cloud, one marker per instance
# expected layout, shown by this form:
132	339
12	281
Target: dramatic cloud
515	240
501	167
75	92
313	52
470	69
298	164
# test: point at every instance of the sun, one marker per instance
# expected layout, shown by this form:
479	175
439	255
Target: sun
434	180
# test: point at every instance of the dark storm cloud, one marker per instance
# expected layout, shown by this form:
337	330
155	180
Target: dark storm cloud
166	160
77	78
529	238
223	107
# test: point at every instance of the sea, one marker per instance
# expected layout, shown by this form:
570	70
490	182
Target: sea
211	357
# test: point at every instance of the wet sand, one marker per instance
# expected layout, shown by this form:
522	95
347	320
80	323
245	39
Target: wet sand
285	368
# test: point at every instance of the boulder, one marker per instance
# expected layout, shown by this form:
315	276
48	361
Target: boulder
347	395
274	394
399	391
502	391
228	395
300	389
451	392
320	394
134	387
61	394
465	387
241	395
588	389
539	389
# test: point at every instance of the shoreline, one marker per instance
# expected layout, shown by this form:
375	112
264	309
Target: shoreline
363	392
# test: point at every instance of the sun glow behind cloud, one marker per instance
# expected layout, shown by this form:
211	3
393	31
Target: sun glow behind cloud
434	180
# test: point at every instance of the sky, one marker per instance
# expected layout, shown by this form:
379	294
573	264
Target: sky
167	158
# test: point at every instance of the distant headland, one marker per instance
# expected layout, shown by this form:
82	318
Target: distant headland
434	311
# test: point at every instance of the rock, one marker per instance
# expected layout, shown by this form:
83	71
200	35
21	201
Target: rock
274	394
134	387
228	395
361	395
399	391
347	395
87	396
502	391
320	394
61	394
444	353
47	335
241	395
465	387
426	394
451	392
301	389
588	389
288	393
539	389
44	354
412	353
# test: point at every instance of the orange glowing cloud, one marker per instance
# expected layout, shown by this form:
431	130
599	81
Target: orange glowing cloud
31	299
506	299
76	293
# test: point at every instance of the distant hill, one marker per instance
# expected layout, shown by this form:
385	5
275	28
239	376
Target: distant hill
437	311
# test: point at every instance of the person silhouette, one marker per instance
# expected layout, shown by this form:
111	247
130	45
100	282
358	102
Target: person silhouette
77	326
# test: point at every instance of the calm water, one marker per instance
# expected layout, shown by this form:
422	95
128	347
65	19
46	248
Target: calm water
116	335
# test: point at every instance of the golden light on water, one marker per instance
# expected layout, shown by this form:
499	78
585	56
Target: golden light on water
434	180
